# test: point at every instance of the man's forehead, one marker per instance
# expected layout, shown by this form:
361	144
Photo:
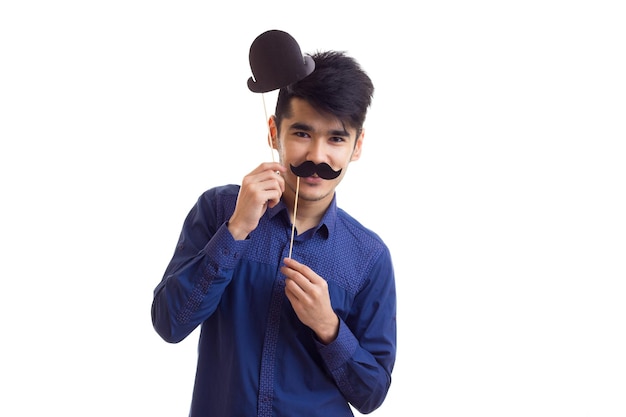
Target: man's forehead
304	116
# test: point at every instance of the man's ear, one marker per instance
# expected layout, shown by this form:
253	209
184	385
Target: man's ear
272	133
356	153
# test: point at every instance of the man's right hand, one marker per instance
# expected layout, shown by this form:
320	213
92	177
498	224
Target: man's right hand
260	189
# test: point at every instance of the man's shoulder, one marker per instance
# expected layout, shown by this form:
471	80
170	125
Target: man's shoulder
220	200
220	194
360	232
227	190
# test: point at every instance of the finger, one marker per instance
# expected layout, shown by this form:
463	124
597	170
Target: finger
272	167
302	269
299	295
274	199
293	290
298	283
272	190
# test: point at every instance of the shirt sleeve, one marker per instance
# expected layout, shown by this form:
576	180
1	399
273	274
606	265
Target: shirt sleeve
201	268
362	356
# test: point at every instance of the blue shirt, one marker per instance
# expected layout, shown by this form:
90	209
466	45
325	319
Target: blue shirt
255	357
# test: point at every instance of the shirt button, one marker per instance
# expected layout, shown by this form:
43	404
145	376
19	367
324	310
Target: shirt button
225	251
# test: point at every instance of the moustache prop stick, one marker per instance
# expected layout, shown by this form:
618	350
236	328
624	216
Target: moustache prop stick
308	169
277	61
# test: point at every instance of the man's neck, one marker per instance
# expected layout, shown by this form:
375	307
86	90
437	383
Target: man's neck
308	213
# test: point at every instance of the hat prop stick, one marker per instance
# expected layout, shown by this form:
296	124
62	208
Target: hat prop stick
277	61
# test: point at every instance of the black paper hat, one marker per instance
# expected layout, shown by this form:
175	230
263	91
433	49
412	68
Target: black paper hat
277	61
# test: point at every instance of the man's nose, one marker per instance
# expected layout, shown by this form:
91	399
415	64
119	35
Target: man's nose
316	152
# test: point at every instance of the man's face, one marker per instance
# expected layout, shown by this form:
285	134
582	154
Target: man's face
308	135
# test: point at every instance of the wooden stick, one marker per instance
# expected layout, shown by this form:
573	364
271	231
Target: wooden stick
295	209
269	133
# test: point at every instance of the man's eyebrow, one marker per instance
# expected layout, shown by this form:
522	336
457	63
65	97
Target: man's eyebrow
300	126
307	128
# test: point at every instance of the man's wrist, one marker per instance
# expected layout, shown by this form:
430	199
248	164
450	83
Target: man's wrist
236	232
329	334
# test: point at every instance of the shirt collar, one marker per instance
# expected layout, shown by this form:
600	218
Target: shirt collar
326	225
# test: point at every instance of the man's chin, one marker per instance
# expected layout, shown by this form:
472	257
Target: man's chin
314	194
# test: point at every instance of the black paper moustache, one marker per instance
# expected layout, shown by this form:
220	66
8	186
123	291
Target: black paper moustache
308	168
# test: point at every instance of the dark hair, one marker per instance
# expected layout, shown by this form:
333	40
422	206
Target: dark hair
337	86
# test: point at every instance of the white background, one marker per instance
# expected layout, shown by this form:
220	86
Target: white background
493	167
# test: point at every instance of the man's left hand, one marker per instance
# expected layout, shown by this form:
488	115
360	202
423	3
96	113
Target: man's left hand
309	297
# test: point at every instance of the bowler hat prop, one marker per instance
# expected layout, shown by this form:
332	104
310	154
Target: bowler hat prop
277	61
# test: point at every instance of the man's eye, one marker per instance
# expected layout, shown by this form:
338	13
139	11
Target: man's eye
301	134
337	139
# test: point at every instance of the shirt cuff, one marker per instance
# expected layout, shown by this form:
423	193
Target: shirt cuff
340	350
224	249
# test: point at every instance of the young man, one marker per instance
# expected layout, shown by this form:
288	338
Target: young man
303	336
